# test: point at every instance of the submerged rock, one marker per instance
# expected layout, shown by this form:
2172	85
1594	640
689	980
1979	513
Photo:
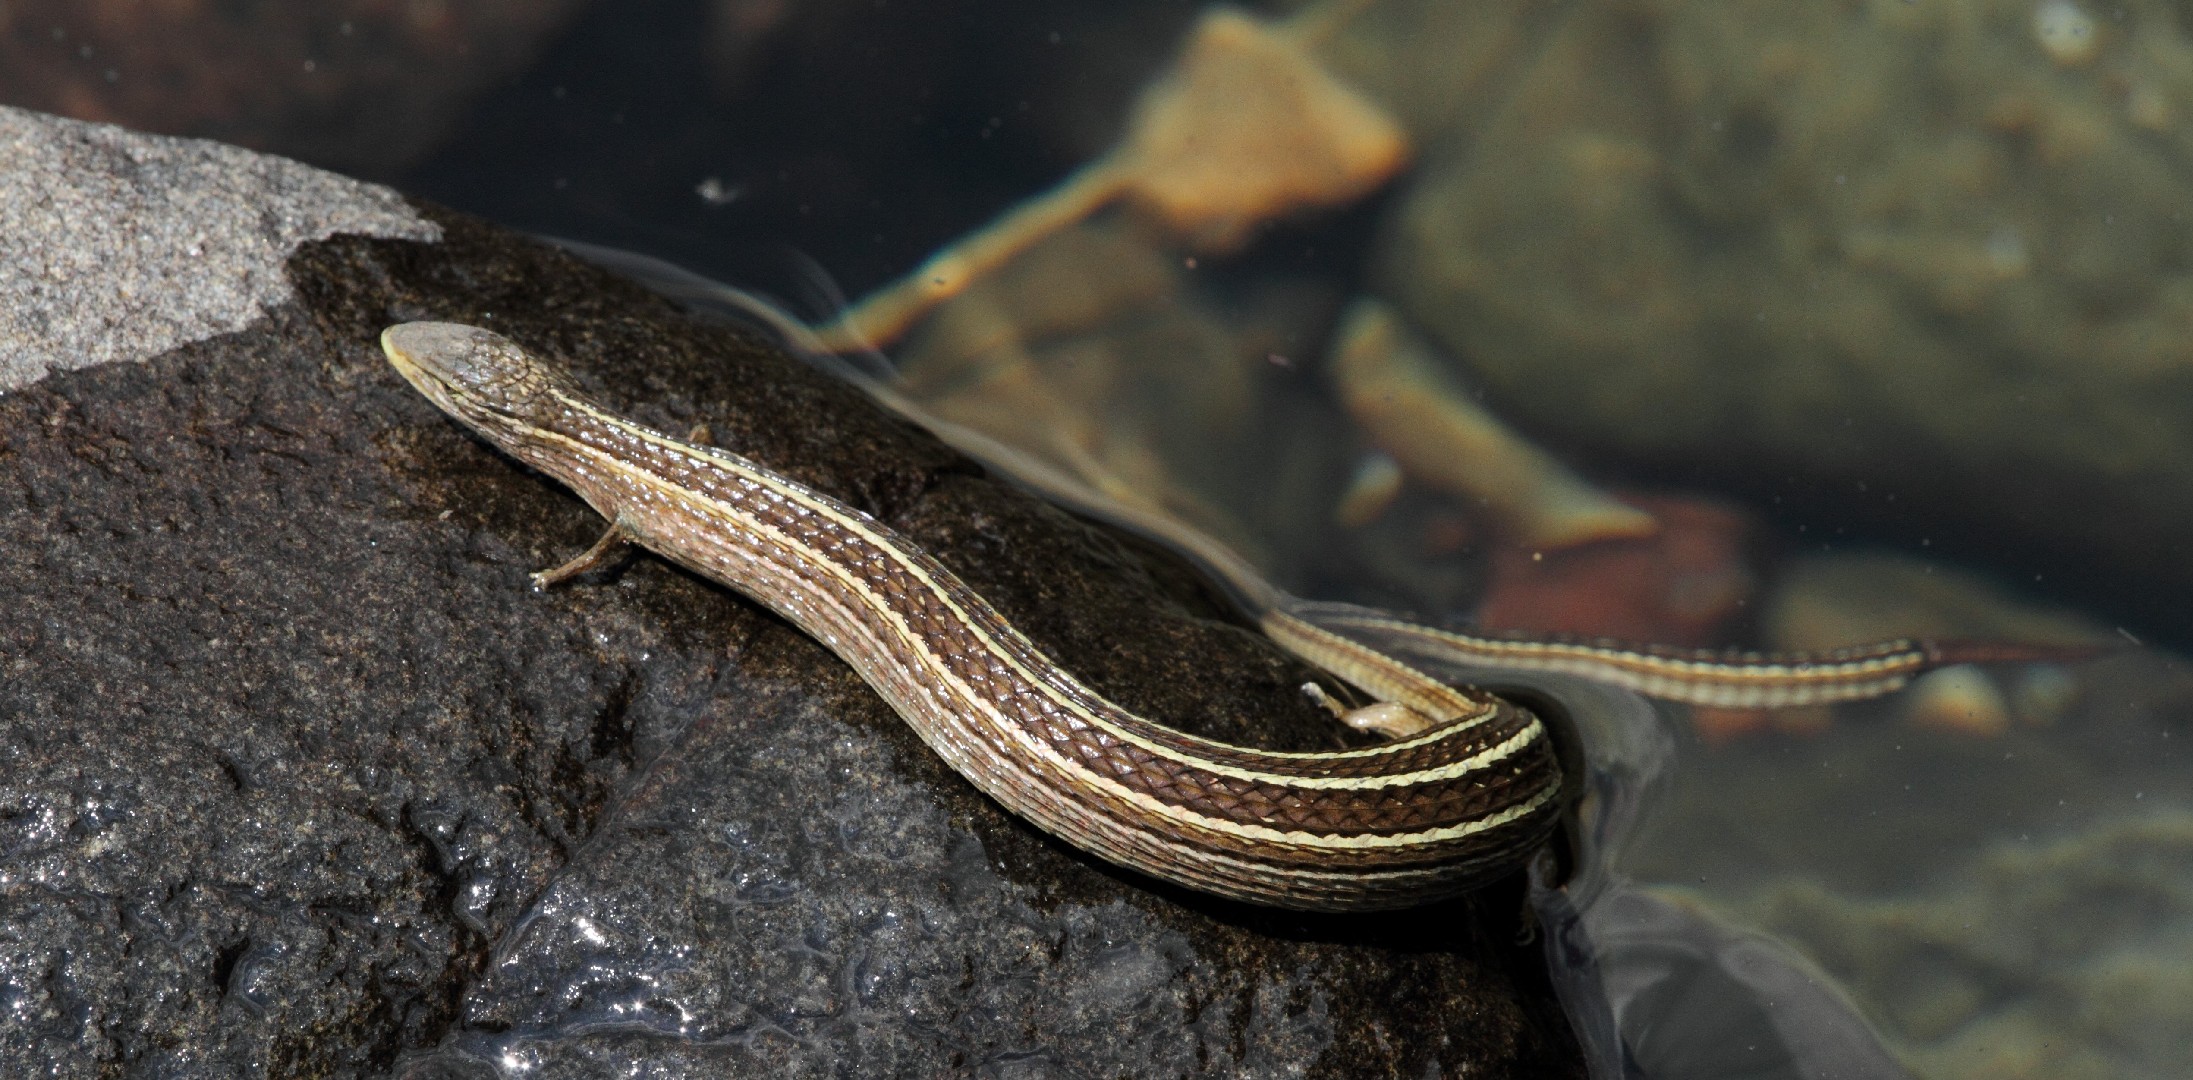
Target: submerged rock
297	776
1937	249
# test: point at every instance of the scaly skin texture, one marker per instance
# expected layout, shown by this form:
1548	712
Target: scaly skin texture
1424	816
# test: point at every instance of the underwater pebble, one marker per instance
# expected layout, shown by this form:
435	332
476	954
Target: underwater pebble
1960	698
1684	585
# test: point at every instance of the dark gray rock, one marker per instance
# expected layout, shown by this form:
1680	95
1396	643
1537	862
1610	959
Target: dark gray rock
298	778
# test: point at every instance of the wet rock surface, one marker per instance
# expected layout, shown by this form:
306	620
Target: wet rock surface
298	778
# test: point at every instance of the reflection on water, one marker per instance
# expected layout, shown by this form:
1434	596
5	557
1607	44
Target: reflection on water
1717	325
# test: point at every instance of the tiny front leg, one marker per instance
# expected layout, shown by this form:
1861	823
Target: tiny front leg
606	550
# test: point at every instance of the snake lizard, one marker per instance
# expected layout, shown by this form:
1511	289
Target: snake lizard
1469	788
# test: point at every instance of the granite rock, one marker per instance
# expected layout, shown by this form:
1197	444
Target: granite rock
121	246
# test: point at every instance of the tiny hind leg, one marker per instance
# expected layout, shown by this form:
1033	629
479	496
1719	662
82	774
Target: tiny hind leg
614	544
